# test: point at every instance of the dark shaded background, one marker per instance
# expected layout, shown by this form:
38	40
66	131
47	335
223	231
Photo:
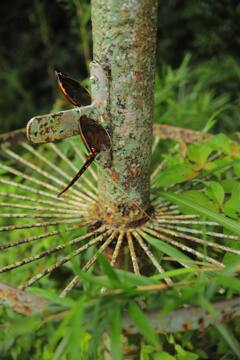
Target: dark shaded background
37	36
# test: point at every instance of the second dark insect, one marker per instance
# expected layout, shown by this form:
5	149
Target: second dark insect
94	136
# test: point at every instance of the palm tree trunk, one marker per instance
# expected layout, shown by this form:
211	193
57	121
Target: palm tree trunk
124	42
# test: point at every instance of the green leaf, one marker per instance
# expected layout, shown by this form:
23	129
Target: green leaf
229	338
169	250
232	206
143	323
126	279
175	175
215	191
102	281
222	328
99	326
220	142
174	273
61	330
115	332
185	355
229	224
198	198
199	153
236	169
76	330
219	165
130	279
231	266
49	295
164	356
205	304
228	282
20	328
228	185
109	271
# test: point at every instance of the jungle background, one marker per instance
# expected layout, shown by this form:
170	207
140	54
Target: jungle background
197	59
197	87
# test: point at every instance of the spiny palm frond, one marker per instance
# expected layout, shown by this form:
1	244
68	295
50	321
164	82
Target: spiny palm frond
30	185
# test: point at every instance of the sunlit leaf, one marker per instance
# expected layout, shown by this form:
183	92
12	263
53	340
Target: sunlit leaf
220	142
215	191
185	355
199	153
175	175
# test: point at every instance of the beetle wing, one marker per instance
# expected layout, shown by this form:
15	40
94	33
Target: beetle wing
95	137
73	90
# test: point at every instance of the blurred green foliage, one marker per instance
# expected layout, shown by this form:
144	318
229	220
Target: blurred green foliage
73	329
207	175
192	96
38	36
197	86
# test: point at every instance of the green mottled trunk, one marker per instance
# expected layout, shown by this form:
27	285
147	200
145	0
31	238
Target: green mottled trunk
124	38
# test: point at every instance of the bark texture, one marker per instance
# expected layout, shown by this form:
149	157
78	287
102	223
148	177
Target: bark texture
124	38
